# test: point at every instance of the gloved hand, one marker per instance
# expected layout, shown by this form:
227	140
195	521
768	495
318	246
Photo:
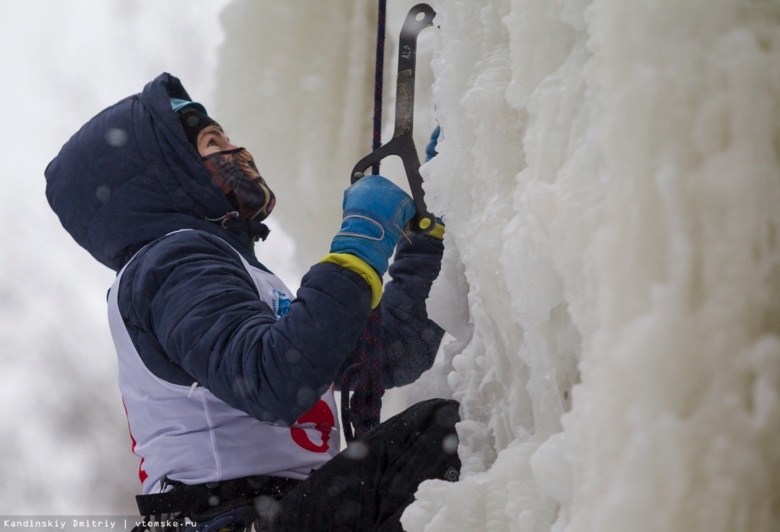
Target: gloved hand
375	213
430	149
430	153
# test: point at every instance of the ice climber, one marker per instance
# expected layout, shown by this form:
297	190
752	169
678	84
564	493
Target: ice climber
227	377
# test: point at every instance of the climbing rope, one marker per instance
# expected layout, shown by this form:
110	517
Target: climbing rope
361	413
364	373
378	80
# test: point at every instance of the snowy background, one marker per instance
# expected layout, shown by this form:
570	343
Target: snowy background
610	179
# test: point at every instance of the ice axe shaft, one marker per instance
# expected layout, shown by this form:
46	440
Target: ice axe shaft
402	143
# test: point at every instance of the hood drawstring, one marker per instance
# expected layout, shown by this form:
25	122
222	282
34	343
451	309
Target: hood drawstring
233	222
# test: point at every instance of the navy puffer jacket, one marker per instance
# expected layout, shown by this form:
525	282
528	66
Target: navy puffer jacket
129	177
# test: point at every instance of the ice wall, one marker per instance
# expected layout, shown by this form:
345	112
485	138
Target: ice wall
611	184
610	180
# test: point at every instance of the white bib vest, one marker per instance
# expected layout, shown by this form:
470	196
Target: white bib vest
191	436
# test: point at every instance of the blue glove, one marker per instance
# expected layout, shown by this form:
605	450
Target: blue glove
375	213
430	150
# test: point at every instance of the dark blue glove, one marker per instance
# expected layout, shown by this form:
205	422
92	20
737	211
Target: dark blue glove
430	153
375	213
430	150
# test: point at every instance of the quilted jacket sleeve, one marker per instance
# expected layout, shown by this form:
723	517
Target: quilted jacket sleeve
189	296
409	339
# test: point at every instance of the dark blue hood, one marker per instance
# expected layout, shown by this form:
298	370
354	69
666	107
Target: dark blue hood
129	176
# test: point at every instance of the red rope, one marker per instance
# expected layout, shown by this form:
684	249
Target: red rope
361	413
363	376
378	80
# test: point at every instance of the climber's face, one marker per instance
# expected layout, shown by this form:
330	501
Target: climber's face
212	139
233	169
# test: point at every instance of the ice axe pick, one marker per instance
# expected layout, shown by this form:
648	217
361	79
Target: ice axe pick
402	143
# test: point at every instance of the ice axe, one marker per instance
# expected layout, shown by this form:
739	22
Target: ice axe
402	143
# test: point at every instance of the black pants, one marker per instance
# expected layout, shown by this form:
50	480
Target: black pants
368	486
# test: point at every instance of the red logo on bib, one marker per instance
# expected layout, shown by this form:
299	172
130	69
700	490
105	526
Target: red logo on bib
322	417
